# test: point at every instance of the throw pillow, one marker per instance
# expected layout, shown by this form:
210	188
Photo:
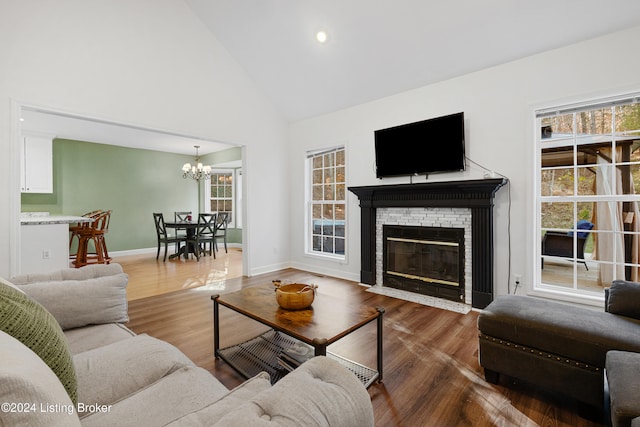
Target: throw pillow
29	322
624	299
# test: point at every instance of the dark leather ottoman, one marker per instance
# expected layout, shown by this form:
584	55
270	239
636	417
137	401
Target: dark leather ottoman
555	346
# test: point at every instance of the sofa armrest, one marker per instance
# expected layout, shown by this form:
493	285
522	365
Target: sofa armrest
623	299
320	392
76	303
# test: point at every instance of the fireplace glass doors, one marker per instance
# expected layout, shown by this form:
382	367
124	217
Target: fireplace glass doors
425	260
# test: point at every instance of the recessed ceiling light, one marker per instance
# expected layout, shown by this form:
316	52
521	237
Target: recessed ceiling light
321	36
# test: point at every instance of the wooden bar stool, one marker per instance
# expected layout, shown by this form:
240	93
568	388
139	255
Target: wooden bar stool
74	230
94	232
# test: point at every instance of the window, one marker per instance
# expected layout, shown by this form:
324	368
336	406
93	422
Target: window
220	194
588	160
326	203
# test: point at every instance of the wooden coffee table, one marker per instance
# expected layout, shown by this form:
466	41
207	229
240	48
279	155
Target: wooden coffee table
328	320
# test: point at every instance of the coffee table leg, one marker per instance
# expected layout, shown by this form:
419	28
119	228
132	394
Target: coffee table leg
216	327
320	346
381	311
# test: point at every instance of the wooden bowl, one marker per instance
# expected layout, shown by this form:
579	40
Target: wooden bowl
295	296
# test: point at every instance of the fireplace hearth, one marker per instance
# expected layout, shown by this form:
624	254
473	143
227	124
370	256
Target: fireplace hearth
476	195
424	260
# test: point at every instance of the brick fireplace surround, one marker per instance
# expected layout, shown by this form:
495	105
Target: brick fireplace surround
476	195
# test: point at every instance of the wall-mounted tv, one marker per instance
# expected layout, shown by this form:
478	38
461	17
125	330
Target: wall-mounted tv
429	146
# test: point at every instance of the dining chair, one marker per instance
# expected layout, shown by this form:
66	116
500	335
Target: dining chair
164	237
204	234
221	230
181	216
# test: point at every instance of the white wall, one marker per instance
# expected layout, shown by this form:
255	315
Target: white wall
498	104
149	63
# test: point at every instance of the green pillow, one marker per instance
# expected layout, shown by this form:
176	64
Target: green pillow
30	323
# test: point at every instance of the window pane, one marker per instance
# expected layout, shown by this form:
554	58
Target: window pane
317	192
557	215
328	176
316	211
628	119
329	192
557	126
317	162
340	174
327	211
587	181
317	176
340	158
556	182
317	243
329	160
594	121
635	177
327	244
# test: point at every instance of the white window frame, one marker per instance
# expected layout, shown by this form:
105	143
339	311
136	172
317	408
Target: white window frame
538	287
235	219
309	202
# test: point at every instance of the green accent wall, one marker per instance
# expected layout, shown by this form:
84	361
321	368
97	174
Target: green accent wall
133	183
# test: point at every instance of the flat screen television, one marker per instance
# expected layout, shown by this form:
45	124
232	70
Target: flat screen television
429	146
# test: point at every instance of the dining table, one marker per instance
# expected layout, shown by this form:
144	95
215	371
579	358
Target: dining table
190	227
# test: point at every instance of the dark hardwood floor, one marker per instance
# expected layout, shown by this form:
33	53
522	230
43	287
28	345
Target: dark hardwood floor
431	371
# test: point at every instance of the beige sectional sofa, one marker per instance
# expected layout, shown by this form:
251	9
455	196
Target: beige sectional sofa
67	359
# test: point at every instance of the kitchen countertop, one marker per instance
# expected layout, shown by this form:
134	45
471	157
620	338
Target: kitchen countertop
37	218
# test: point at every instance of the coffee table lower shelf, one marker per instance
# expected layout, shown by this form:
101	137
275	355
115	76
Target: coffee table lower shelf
261	354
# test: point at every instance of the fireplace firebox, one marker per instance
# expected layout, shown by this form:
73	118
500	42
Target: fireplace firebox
425	260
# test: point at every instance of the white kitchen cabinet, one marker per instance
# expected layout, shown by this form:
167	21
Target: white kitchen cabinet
37	164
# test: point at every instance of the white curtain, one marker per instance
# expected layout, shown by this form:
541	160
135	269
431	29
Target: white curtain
610	219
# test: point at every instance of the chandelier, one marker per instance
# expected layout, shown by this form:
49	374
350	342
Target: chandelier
198	170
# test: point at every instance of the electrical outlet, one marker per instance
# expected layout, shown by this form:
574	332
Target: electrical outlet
517	279
46	254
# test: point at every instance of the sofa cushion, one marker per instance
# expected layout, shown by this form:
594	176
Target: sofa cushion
94	336
76	303
182	392
236	397
110	373
333	396
624	299
28	322
26	379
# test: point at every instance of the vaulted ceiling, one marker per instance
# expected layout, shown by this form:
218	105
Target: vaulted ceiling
374	48
379	48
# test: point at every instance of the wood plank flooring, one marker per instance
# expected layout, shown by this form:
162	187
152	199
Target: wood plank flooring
431	371
149	277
